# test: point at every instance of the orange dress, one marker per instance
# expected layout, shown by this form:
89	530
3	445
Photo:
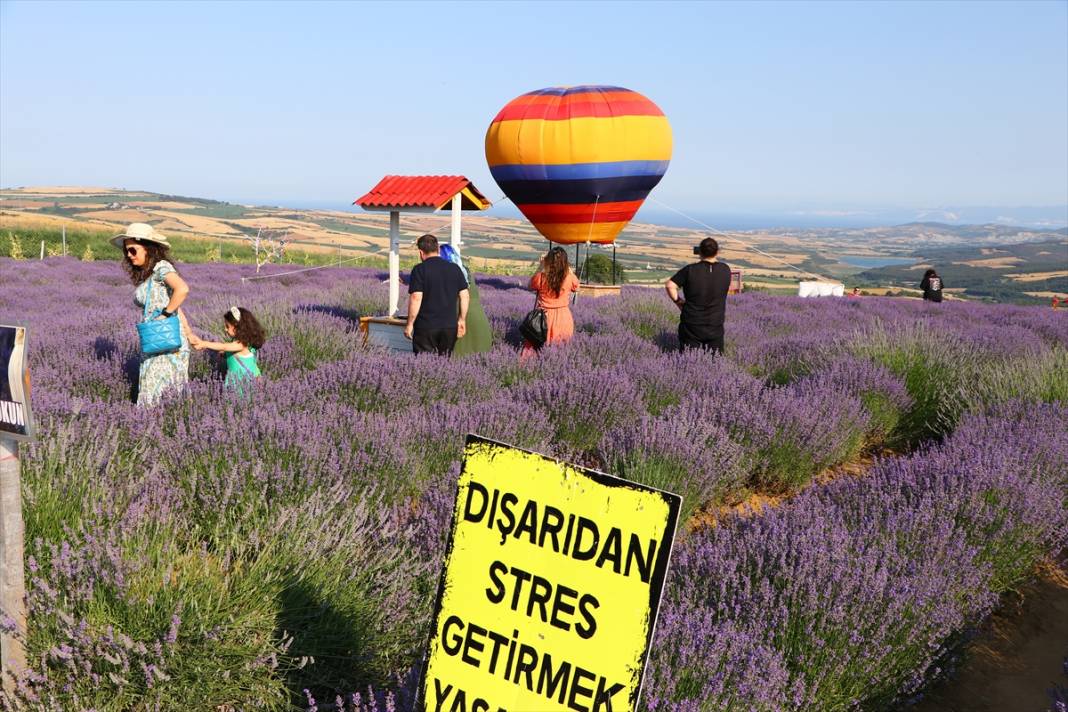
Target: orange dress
561	326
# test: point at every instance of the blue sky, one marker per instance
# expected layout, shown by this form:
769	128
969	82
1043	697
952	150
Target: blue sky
778	107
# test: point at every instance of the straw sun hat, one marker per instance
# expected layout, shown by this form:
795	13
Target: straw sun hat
140	231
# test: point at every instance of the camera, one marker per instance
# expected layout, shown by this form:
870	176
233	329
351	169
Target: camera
697	249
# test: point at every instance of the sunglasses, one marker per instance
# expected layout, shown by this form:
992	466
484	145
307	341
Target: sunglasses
131	251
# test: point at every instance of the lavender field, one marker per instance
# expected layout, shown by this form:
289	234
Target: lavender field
280	551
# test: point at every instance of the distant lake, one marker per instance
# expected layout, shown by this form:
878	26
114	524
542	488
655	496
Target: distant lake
873	262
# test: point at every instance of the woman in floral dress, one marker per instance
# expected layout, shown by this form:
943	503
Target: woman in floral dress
146	254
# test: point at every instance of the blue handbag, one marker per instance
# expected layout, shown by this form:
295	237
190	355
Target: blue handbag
158	336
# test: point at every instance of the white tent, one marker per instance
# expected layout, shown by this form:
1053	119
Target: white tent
820	289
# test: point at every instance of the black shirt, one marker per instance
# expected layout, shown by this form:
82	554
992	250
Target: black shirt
932	288
705	286
441	282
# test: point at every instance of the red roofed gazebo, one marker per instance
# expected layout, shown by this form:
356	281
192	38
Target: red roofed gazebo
418	194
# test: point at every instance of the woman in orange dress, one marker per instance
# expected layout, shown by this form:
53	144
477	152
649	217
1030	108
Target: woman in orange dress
554	283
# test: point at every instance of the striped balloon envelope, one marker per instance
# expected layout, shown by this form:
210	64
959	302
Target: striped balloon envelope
579	161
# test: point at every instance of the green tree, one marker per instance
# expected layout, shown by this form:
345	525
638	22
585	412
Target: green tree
597	269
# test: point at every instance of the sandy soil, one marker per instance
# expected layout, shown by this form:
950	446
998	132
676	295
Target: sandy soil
117	216
1049	295
25	204
1018	654
36	220
198	223
755	504
992	262
270	223
1038	276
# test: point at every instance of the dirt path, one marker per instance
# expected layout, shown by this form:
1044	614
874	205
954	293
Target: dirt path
1017	656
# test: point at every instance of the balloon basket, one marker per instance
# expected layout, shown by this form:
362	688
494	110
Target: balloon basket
599	290
385	332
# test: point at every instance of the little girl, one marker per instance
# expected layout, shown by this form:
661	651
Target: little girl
246	336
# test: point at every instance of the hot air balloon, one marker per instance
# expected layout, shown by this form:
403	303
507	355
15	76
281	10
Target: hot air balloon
579	161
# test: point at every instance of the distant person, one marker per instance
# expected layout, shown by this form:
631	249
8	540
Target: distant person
159	294
479	336
703	307
438	298
931	284
855	294
554	282
1056	302
246	338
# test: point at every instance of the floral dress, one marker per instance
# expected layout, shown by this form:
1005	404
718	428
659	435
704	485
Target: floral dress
165	371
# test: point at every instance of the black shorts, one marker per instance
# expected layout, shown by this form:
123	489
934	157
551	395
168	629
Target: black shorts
705	337
439	341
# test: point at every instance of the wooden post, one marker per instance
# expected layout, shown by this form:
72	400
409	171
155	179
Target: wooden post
454	238
64	240
394	262
12	583
42	249
613	263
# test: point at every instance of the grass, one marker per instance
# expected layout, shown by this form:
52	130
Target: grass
184	249
193	250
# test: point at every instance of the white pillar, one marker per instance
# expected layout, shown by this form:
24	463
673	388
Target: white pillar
394	262
454	240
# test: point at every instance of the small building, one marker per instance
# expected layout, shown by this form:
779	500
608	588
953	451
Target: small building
819	288
413	194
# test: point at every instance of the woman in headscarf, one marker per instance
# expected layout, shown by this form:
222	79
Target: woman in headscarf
479	336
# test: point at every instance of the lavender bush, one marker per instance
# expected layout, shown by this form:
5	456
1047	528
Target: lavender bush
267	550
855	591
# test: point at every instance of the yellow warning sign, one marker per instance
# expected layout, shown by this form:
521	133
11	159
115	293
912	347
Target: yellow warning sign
550	587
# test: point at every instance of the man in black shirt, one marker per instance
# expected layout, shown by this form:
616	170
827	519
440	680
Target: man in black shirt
437	301
705	285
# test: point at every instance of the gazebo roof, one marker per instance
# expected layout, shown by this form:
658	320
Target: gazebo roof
422	192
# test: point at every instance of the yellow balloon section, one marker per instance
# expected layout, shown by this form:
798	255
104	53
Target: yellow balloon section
579	161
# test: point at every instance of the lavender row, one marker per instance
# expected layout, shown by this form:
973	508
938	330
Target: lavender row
855	594
247	549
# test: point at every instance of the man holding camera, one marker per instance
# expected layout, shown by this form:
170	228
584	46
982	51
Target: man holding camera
705	285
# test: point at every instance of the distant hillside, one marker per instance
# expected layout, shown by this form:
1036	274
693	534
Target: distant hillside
1022	272
990	231
773	259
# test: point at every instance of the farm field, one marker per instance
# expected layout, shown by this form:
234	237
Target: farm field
863	482
1013	264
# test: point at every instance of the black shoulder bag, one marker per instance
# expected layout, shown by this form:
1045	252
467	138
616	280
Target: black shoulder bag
534	327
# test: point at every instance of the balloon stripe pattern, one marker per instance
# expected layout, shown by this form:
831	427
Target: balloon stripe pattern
579	161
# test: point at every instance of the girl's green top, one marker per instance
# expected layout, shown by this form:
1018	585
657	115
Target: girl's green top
240	368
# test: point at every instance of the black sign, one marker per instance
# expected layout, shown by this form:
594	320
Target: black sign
15	419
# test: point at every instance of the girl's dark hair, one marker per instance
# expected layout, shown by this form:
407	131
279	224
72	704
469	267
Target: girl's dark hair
156	254
929	273
556	269
247	330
